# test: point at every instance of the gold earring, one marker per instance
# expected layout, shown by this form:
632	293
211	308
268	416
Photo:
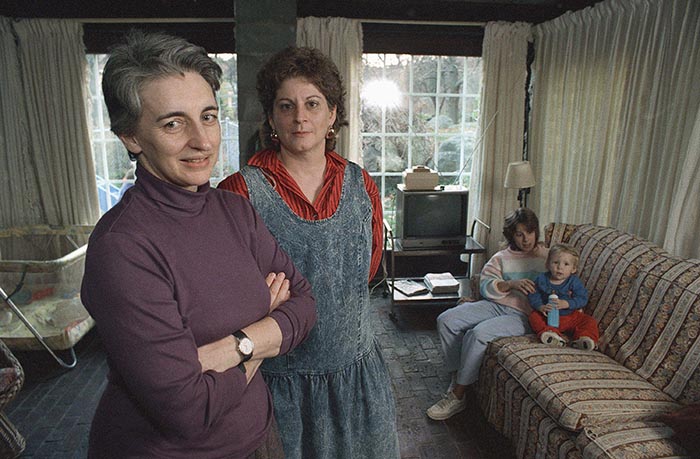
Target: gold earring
274	136
331	133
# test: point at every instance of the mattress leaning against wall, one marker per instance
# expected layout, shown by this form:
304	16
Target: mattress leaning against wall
41	269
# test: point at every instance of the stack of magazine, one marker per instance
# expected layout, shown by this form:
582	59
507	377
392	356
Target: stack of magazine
441	283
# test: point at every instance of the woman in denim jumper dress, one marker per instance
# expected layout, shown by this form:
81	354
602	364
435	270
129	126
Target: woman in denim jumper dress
332	395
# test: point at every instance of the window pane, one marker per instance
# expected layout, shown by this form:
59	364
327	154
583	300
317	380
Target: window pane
372	67
118	161
425	74
227	163
451	74
397	70
469	138
423	114
450	109
471	109
372	153
423	150
396	154
472	74
397	119
228	101
448	156
227	96
389	200
371	118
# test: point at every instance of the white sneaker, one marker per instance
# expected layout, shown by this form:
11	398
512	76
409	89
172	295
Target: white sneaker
446	407
552	339
585	343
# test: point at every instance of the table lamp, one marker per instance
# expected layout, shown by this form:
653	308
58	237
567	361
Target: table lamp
519	175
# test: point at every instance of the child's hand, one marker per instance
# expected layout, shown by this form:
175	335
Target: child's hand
562	304
545	308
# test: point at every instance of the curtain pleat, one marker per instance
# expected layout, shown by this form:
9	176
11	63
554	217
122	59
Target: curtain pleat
614	103
501	127
341	40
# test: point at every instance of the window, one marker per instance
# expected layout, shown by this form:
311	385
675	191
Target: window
114	171
419	110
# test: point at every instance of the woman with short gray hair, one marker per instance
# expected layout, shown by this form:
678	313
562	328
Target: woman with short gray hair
189	290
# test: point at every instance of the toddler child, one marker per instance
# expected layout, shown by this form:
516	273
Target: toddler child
571	297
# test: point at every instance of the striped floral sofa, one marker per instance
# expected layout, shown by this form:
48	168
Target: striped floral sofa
568	403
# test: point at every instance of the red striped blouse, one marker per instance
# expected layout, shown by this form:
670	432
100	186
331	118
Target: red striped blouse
327	200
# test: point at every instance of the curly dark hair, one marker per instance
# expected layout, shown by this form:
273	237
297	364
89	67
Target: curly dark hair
300	62
524	216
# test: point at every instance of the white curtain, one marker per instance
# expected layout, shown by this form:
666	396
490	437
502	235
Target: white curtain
47	82
615	111
684	216
341	40
501	126
19	193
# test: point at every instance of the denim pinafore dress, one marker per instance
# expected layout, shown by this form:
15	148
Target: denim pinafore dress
332	395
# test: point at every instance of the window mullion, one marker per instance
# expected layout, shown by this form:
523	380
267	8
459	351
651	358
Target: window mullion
438	83
463	122
409	99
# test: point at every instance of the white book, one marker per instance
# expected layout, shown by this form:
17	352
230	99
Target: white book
409	287
441	283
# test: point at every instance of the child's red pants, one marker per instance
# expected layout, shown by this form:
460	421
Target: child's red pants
576	324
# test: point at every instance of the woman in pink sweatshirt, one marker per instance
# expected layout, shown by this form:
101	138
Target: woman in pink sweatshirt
466	329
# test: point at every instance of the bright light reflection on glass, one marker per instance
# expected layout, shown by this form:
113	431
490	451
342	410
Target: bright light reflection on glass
381	93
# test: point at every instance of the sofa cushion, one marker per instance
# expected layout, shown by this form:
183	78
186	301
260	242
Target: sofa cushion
518	417
580	388
657	331
634	440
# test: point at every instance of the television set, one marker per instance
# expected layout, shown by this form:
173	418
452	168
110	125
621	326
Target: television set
431	219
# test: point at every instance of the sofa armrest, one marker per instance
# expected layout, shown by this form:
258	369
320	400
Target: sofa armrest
11	375
12	443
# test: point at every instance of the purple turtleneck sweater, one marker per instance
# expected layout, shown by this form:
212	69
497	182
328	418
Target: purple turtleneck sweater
168	270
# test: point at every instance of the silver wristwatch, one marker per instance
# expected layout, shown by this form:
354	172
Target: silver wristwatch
245	345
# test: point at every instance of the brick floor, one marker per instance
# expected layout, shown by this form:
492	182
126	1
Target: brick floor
54	409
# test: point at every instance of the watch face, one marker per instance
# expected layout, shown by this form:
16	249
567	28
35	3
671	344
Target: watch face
245	345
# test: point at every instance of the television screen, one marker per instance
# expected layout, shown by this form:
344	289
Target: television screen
434	215
431	219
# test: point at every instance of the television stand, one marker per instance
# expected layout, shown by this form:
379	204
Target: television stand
392	247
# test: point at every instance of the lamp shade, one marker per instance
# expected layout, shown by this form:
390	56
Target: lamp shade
519	175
